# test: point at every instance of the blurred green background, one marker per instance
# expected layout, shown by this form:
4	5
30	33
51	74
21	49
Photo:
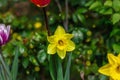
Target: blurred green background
94	23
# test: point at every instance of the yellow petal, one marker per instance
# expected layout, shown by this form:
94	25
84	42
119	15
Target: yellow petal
105	70
68	36
119	55
61	47
112	59
118	58
70	45
51	49
61	53
60	31
51	39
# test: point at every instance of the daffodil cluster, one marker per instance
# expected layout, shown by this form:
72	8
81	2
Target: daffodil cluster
60	43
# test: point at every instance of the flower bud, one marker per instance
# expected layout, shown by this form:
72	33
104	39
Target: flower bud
41	3
4	34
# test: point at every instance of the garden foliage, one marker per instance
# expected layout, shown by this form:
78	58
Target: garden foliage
95	25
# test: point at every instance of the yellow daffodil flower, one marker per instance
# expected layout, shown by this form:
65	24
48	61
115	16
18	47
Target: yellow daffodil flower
60	42
112	69
38	25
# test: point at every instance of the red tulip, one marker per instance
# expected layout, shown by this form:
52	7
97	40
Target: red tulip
41	3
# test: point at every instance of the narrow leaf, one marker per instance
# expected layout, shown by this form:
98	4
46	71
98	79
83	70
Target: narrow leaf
59	69
15	65
5	67
67	73
51	67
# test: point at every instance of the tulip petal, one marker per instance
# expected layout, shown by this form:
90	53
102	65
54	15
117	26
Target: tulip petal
105	69
5	35
60	31
41	3
111	58
8	31
70	45
61	53
1	40
51	49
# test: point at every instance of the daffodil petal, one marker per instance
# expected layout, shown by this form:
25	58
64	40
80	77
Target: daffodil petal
105	70
51	39
68	36
61	47
119	55
60	31
70	45
61	53
51	49
111	58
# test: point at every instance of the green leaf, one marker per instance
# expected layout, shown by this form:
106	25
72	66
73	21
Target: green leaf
25	62
106	11
116	5
14	70
5	73
108	3
81	18
59	69
3	3
116	48
52	67
2	72
41	56
114	32
89	3
1	76
115	18
81	10
95	5
67	72
103	77
74	17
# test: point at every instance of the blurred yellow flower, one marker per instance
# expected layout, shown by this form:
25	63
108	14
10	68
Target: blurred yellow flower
112	69
89	33
27	72
31	46
89	52
88	39
60	42
19	37
38	25
25	54
37	68
88	63
94	26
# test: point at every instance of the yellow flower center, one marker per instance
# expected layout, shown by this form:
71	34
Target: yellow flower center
60	42
118	69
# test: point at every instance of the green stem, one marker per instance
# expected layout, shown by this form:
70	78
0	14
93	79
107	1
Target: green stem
46	21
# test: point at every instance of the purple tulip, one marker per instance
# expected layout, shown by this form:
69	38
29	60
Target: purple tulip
4	34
